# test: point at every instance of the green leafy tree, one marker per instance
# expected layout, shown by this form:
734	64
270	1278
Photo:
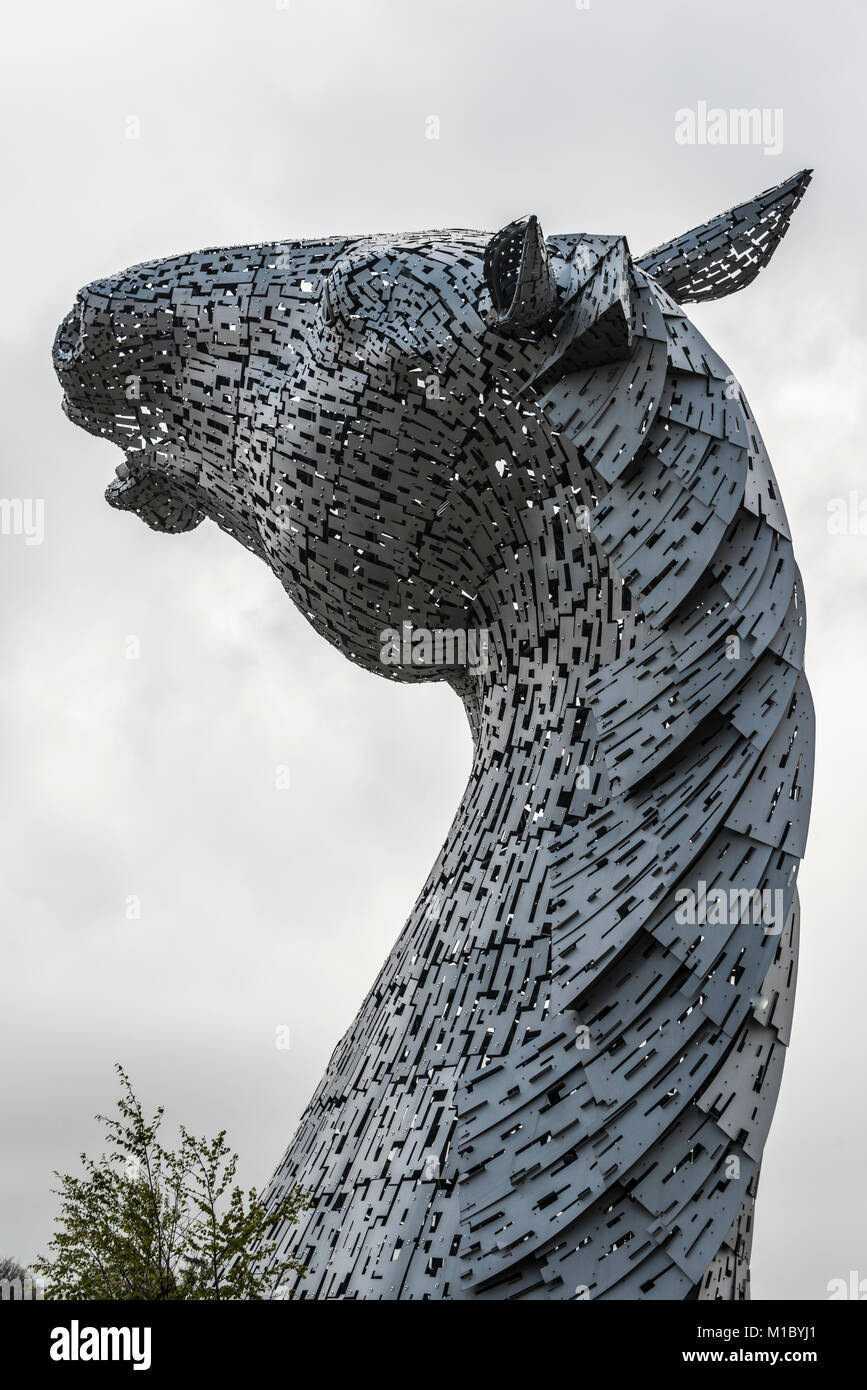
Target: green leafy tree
145	1222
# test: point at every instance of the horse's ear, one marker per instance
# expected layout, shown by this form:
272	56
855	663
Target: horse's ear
520	277
594	327
724	255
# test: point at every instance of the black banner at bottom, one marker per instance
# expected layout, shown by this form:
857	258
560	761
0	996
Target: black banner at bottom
85	1339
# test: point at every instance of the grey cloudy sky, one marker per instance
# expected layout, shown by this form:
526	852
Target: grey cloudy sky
155	777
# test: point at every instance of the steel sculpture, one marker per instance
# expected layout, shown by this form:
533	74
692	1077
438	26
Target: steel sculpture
513	464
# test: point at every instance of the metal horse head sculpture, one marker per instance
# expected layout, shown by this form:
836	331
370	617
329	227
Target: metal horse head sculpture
512	463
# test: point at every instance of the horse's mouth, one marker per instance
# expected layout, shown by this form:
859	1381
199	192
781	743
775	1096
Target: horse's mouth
142	483
142	487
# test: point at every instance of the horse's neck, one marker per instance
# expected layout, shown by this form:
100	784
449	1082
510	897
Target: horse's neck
535	774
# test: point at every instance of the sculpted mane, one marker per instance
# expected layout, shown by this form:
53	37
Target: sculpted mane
701	735
561	1082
